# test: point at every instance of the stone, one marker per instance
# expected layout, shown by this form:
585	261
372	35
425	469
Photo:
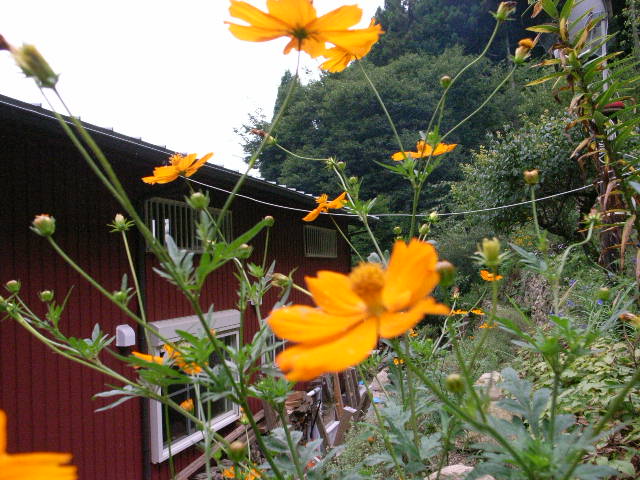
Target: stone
456	472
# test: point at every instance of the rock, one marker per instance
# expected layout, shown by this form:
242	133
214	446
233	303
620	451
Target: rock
456	472
379	392
488	384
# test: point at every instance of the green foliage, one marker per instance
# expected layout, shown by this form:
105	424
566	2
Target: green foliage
494	177
339	116
431	26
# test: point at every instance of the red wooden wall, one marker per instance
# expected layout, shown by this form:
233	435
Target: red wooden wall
48	398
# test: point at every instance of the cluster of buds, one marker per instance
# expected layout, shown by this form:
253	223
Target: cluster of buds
32	63
263	134
522	52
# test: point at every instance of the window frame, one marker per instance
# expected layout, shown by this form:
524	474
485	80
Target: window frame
322	235
184	217
226	323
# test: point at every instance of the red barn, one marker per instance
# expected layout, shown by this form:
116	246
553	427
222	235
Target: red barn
48	399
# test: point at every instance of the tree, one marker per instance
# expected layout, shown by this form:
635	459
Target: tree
339	116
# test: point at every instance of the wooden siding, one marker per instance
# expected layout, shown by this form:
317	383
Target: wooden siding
48	398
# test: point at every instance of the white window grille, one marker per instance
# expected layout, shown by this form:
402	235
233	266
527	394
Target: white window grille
164	216
320	242
221	412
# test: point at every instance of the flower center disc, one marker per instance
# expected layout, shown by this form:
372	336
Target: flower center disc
367	281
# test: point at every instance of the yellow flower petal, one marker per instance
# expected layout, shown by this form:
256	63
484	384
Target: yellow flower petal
394	324
303	324
339	19
256	17
332	292
303	362
411	269
295	13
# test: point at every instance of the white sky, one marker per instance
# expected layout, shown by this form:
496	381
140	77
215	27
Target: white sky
164	70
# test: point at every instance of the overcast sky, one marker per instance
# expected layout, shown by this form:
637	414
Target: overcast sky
167	71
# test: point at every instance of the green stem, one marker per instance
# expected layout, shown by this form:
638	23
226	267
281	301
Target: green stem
346	239
292	448
482	105
301	157
384	108
413	421
134	275
381	429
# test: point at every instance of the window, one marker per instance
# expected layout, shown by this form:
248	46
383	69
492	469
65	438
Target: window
222	412
164	216
320	242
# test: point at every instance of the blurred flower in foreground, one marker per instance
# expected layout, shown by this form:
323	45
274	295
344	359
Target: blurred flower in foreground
490	277
423	149
178	165
338	58
188	405
297	20
32	466
324	205
355	309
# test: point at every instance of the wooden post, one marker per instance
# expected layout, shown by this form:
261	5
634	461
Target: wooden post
350	388
270	417
337	394
345	423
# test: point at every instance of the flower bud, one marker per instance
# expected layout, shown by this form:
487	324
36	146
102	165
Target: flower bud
397	230
353	180
424	229
263	134
631	318
433	217
505	9
244	420
341	165
280	280
531	177
371	440
120	223
455	293
237	450
13	286
46	295
44	225
454	383
244	251
269	221
447	273
603	294
120	296
490	252
445	81
199	201
33	64
594	217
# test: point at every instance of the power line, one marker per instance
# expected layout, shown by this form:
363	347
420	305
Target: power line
285	207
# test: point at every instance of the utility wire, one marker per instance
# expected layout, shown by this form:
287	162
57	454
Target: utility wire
378	215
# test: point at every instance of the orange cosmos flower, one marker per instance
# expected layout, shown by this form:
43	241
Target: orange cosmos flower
338	58
397	361
355	310
252	474
178	165
32	466
477	311
188	368
486	325
297	20
324	205
188	405
148	358
490	277
459	312
423	149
